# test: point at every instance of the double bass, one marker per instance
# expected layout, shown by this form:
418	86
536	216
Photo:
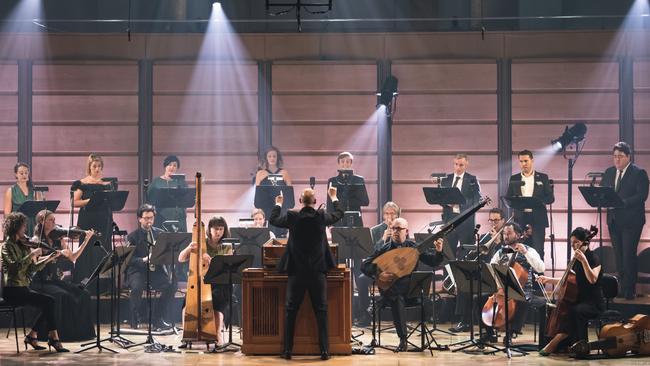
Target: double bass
565	294
199	320
493	313
617	339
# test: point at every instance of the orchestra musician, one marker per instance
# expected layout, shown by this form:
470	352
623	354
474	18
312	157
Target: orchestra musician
470	188
19	261
259	220
352	191
306	261
20	192
171	164
395	295
531	183
626	223
271	162
590	301
381	232
530	260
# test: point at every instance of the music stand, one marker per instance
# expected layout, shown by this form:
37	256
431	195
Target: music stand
443	196
265	196
227	270
468	276
355	243
507	279
420	286
180	197
251	241
351	195
523	203
600	197
121	258
31	208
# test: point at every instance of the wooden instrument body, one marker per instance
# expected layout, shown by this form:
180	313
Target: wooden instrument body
494	312
632	336
566	298
199	319
399	261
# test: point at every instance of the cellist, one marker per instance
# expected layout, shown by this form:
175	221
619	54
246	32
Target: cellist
530	260
589	301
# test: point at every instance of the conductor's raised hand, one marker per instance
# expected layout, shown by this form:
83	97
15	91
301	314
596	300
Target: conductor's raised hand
331	192
279	200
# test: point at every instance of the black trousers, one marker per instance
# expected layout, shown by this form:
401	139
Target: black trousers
625	242
576	326
137	282
363	283
21	296
395	297
297	285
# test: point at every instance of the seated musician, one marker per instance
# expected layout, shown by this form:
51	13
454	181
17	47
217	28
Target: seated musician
160	277
530	260
395	295
216	232
259	220
590	301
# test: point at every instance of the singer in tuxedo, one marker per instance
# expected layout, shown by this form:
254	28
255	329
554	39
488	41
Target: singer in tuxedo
351	190
306	261
531	183
160	277
626	223
471	189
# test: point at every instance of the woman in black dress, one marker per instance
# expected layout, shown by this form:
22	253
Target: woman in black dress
99	219
271	162
72	304
171	165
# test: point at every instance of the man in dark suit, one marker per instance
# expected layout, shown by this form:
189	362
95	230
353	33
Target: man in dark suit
395	295
136	271
626	223
471	190
306	261
351	190
530	183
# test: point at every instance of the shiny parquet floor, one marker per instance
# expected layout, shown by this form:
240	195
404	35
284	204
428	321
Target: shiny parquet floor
137	356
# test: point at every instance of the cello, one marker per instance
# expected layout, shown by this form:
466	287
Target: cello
565	293
493	313
199	319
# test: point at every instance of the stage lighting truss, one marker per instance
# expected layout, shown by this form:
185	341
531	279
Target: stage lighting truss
311	7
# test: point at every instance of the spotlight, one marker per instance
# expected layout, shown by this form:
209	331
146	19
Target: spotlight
572	135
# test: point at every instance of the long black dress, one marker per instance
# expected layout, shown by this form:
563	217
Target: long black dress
100	219
73	310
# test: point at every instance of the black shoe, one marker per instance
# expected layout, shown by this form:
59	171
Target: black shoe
488	338
56	344
32	342
325	356
286	355
403	345
162	325
459	328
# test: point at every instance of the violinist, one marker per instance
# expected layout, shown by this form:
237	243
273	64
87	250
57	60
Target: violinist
589	301
76	322
530	260
20	260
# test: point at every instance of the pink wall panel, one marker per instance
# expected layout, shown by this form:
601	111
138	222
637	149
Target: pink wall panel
565	106
320	108
323	137
7	172
228	197
84	108
641	74
324	166
446	107
444	138
70	168
9	139
205	139
181	109
419	167
536	137
415	77
103	78
9	77
8	108
564	75
221	168
93	138
641	105
324	77
221	77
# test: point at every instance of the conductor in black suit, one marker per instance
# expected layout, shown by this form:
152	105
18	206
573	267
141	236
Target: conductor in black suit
306	261
351	188
530	183
471	190
626	223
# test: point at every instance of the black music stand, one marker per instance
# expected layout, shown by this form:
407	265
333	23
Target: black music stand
32	208
251	241
470	276
265	200
121	258
106	264
180	197
227	270
351	196
600	197
507	279
523	203
420	287
443	196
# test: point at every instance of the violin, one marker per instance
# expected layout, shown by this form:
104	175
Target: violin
71	232
35	244
565	293
493	313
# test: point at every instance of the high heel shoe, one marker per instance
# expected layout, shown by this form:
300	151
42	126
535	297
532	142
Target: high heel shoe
56	343
32	342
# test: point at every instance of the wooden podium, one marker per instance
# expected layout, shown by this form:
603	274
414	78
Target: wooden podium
263	311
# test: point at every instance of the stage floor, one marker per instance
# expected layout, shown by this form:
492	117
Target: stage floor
197	356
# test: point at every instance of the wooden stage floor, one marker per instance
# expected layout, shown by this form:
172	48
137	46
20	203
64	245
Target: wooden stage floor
137	356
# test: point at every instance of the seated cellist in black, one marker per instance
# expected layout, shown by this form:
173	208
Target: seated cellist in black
395	295
589	302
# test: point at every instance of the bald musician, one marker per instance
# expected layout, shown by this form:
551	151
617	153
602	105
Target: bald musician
306	261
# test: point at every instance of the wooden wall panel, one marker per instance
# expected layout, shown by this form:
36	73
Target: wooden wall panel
66	169
324	77
420	167
641	105
322	107
458	107
85	108
181	109
184	78
565	76
88	139
9	140
447	76
208	139
331	137
9	108
213	168
302	167
85	78
448	139
565	106
599	137
9	77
